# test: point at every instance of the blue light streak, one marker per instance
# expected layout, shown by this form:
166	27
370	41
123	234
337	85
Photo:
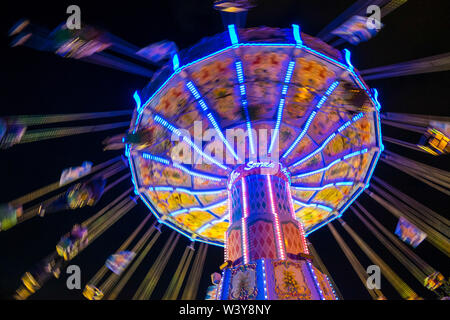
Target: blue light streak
236	43
196	174
175	61
188	191
180	167
212	223
287	80
240	76
347	59
331	164
210	117
186	210
137	99
315	205
155	158
375	97
233	35
311	118
297	35
353	198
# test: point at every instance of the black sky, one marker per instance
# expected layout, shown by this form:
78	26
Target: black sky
42	83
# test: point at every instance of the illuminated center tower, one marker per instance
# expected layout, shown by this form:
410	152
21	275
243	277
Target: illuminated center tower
265	250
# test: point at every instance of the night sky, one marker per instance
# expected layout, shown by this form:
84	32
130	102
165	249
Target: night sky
43	83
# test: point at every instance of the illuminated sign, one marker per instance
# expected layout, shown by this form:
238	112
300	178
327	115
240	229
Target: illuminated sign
253	167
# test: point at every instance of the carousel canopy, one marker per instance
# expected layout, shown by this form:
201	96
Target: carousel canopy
321	120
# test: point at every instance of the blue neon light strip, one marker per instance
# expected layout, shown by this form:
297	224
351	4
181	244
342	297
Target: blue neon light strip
375	97
297	36
336	184
377	157
155	158
166	124
186	210
176	62
133	176
137	99
214	243
212	223
316	282
210	117
334	292
319	54
173	129
196	174
312	154
347	59
331	164
182	168
253	44
325	222
240	76
315	205
353	198
287	80
188	191
324	144
174	227
311	117
320	225
233	34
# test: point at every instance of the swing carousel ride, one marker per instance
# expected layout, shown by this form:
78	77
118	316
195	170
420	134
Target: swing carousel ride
250	140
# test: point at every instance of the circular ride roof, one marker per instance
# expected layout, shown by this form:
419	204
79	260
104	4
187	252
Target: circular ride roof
322	112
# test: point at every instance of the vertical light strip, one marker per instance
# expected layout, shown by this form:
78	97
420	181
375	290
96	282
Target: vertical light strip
231	221
280	246
173	129
324	144
244	197
175	62
347	59
137	99
240	76
287	80
297	36
356	153
264	278
244	222
233	35
225	253
220	293
315	281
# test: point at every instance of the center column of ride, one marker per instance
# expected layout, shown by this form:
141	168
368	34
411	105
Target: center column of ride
265	247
